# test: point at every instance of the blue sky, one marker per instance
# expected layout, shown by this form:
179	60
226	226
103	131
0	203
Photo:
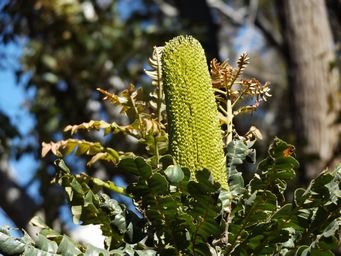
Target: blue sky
12	103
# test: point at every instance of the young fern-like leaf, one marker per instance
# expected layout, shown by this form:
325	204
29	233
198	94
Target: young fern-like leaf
96	125
242	62
130	100
157	96
222	74
155	63
230	89
82	147
148	129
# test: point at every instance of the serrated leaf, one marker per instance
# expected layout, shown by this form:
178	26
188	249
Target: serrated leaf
158	184
299	196
255	241
82	147
137	166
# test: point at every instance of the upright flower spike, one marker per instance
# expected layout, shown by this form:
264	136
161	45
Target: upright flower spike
194	131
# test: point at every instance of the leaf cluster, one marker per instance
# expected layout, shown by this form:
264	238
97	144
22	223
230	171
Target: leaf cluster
227	78
179	216
144	127
182	214
235	95
50	243
263	222
176	214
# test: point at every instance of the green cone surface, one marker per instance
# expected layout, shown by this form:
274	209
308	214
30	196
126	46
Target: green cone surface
194	131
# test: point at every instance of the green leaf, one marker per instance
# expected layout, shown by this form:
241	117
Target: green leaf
137	166
166	161
67	247
299	196
283	212
10	245
255	241
205	184
275	170
94	251
158	184
320	252
237	152
89	207
61	164
332	228
46	245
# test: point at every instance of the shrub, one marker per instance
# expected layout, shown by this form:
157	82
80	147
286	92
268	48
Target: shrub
181	209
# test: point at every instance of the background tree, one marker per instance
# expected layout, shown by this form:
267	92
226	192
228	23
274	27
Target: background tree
72	47
313	80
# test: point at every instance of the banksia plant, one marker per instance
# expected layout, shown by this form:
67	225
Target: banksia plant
195	139
175	215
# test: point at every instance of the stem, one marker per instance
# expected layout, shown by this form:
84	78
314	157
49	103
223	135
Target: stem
219	91
229	115
240	95
159	99
157	154
234	79
135	110
159	85
223	110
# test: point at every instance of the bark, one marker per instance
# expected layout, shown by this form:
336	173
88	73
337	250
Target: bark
309	51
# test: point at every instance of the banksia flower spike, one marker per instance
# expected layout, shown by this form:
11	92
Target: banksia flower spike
194	132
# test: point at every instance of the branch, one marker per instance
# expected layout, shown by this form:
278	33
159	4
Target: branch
14	200
253	7
269	34
167	9
236	17
262	75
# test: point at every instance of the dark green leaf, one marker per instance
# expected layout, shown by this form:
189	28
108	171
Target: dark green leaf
158	184
136	166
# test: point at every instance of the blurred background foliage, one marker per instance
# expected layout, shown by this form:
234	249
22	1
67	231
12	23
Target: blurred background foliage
71	47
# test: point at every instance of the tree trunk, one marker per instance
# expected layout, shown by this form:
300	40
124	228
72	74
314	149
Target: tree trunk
313	84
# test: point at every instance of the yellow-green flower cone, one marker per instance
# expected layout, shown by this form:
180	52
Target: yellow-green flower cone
194	131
